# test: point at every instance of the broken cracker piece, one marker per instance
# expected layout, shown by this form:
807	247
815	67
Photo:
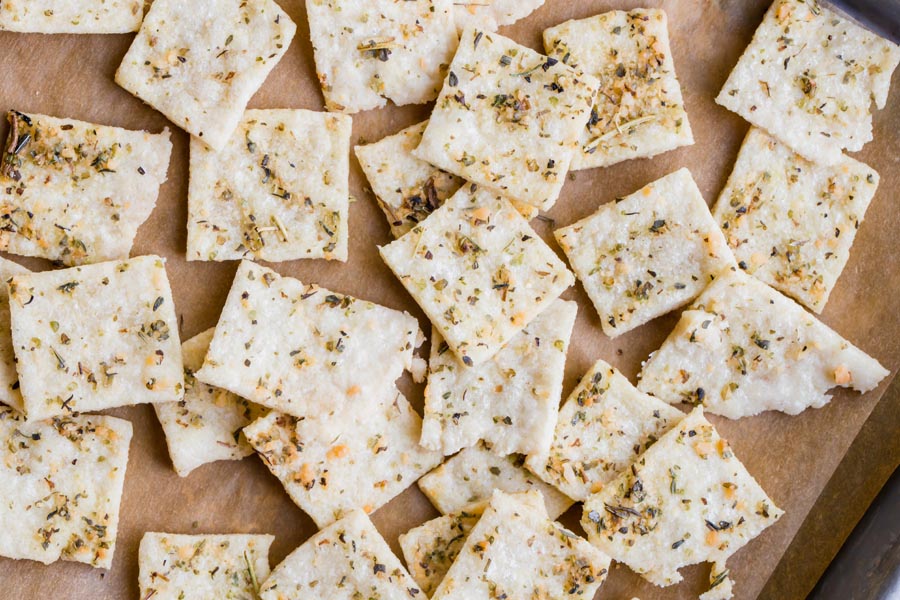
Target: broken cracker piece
10	391
65	16
489	15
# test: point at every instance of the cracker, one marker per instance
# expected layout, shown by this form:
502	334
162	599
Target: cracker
809	77
686	500
511	401
202	567
492	14
264	196
370	52
646	254
508	118
75	192
605	423
516	551
96	337
331	464
348	560
742	348
205	426
199	67
62	485
65	16
473	474
791	222
479	272
300	348
638	109
10	393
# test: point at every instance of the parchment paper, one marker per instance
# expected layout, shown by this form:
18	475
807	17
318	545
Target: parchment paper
792	457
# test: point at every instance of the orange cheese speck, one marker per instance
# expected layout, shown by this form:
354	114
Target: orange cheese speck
842	375
712	538
354	390
339	451
518	319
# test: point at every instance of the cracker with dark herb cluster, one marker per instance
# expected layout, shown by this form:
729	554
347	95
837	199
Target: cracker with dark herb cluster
266	195
491	14
10	392
65	16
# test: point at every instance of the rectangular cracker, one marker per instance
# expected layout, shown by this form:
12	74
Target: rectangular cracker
473	474
479	272
367	53
301	349
603	426
348	560
265	197
742	348
205	425
791	222
10	392
66	16
76	192
489	15
199	67
508	118
646	254
331	464
96	337
62	483
809	78
511	401
516	551
202	567
686	500
638	109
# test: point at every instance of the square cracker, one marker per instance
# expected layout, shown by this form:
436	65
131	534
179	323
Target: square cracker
205	425
646	254
264	196
742	348
605	423
333	463
96	337
75	192
809	77
791	222
300	348
369	52
491	14
471	476
10	392
638	109
511	401
508	118
62	485
66	16
346	561
479	272
202	567
516	551
200	66
684	501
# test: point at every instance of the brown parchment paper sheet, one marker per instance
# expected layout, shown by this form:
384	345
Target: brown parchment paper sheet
792	457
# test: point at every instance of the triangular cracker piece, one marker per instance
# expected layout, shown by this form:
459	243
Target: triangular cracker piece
62	485
10	391
511	401
202	567
492	14
603	426
66	16
742	348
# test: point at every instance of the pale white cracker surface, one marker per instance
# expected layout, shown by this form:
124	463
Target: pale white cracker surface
479	272
96	337
603	426
508	118
742	348
10	393
473	474
200	64
510	401
62	485
370	52
491	14
301	349
76	192
202	567
349	560
516	551
686	500
71	16
638	109
809	78
266	196
791	222
205	425
646	254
